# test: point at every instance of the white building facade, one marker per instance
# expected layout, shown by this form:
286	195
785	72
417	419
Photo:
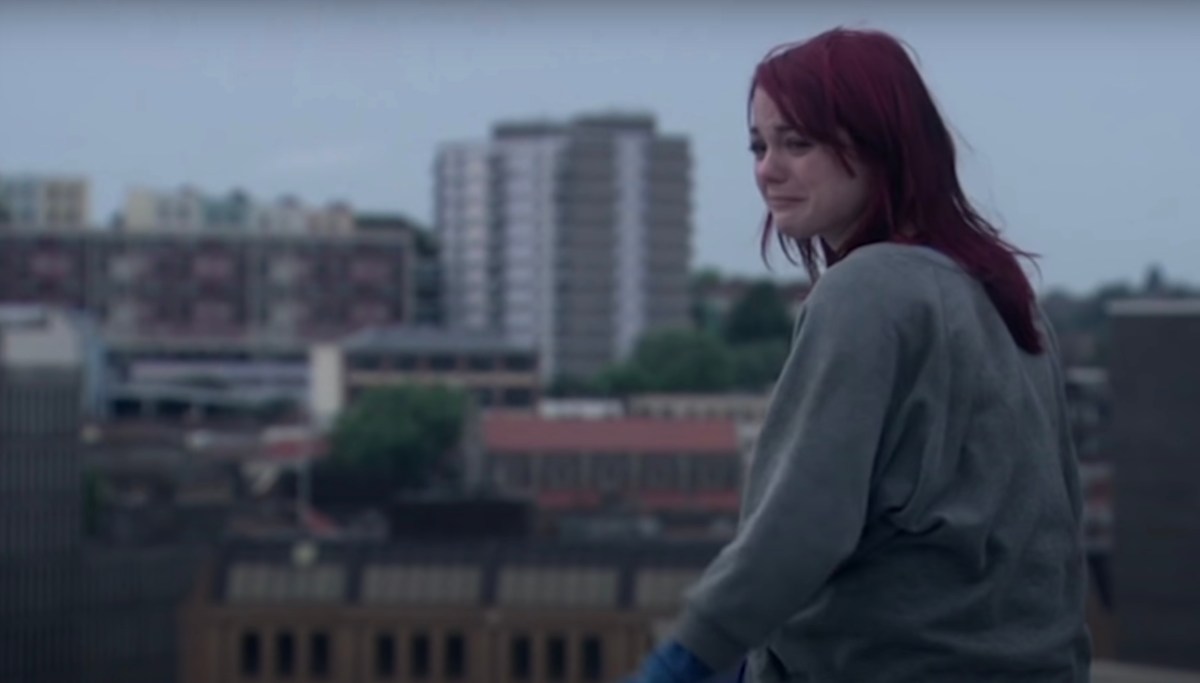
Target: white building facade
572	237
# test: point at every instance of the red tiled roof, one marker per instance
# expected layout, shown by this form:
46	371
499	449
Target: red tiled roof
295	449
662	501
523	433
318	523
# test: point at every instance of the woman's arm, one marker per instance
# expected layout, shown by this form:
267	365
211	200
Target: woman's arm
808	490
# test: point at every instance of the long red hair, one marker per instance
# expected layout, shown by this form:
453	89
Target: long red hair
859	92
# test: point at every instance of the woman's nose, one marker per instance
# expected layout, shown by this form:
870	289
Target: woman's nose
770	169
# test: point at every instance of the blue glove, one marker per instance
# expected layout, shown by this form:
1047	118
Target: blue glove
671	663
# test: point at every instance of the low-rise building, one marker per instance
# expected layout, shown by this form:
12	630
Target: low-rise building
464	611
683	474
494	372
478	611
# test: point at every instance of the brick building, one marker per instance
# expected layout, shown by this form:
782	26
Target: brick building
683	474
223	286
468	611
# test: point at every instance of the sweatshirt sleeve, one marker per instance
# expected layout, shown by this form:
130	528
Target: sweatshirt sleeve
808	488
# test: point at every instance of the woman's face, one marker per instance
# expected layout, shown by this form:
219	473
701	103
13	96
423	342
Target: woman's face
805	186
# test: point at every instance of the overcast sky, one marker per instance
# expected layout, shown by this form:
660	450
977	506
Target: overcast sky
1082	120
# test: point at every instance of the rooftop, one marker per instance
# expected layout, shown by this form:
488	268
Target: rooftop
38	336
526	433
422	339
617	575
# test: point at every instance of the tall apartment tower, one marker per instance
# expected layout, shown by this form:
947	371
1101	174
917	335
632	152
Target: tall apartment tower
48	360
573	238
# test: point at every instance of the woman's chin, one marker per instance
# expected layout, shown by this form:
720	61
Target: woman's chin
794	231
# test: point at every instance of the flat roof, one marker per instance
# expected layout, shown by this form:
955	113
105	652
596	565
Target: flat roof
1155	307
424	339
522	433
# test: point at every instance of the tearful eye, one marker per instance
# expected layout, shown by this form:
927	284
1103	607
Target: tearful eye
798	144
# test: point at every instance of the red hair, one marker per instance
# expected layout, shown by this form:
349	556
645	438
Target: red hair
858	92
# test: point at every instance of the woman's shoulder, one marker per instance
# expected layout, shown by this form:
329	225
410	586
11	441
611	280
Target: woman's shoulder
898	276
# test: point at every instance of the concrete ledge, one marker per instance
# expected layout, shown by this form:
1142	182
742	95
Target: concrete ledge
1114	672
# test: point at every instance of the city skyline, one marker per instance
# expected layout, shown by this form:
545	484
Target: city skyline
1079	138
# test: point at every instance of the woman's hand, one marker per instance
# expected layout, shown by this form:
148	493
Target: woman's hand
671	663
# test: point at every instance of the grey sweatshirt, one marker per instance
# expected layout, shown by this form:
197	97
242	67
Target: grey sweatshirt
912	511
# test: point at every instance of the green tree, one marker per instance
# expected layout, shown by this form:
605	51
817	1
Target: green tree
574	385
623	379
400	433
757	364
706	277
700	310
759	315
1155	280
676	360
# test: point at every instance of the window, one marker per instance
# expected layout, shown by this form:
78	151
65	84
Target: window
518	362
611	472
385	655
369	271
521	659
456	656
593	659
714	474
207	313
366	361
251	654
212	266
481	363
659	473
318	655
515	471
418	662
560	472
518	398
285	654
556	658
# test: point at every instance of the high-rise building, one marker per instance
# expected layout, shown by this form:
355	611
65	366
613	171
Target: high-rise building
1155	442
574	237
48	360
44	202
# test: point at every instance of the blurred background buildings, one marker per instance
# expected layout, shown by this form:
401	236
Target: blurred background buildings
264	439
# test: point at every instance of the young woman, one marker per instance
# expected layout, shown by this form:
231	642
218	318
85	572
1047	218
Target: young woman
912	512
